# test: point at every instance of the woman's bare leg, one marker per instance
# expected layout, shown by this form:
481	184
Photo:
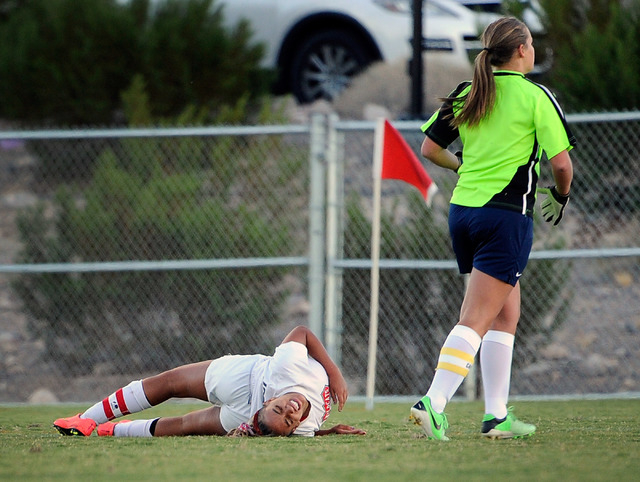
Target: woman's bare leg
186	381
485	300
507	319
201	422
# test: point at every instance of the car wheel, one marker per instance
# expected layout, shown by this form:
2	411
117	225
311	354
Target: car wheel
325	63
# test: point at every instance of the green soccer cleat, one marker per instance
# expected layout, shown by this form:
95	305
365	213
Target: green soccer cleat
433	424
508	427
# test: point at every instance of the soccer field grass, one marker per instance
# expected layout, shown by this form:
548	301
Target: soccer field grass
576	440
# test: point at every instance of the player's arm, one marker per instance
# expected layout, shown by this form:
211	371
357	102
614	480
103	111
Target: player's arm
440	133
341	429
562	170
337	383
557	196
439	155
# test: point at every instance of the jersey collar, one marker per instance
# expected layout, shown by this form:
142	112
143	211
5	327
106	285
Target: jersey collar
507	72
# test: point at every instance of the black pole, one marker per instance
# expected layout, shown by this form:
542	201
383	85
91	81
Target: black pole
417	97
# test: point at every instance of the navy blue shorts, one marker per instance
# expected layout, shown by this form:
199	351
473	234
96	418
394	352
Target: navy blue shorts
492	240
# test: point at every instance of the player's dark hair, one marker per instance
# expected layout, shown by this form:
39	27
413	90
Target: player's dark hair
500	39
259	426
256	427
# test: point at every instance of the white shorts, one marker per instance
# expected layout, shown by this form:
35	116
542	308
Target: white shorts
228	384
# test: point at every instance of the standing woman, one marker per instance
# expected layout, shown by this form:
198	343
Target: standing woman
505	122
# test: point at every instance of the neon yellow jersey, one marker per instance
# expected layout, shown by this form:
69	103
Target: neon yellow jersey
501	154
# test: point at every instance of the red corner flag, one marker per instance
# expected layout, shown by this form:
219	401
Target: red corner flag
400	162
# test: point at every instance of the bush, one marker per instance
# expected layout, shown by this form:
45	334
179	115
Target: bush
596	68
597	53
66	62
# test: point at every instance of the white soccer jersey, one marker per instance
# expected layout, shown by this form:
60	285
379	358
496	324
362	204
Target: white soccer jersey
241	384
291	369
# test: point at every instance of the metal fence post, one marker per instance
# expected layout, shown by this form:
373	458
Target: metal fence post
335	235
316	223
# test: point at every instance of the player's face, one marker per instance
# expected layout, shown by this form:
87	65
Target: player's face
284	414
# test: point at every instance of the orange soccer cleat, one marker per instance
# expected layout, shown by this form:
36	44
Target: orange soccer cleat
75	426
106	429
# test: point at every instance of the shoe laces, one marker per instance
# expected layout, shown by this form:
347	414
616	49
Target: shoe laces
510	413
445	420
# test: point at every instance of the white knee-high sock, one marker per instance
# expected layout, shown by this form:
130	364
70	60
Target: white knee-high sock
496	355
135	428
455	360
126	400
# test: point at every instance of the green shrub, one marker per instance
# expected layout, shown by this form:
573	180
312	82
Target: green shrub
191	59
596	53
596	68
65	62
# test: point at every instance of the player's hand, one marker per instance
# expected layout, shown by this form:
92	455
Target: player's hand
342	429
338	389
553	206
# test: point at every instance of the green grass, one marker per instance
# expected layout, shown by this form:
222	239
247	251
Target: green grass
576	441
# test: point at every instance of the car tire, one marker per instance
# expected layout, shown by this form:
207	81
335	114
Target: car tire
325	63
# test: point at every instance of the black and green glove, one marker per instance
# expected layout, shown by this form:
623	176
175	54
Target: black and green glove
553	206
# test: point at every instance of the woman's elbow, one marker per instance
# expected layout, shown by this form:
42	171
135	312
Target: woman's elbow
430	149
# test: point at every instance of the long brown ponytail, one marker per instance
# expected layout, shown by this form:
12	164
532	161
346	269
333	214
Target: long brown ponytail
500	39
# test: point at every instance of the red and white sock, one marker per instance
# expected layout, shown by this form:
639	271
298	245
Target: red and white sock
496	355
126	400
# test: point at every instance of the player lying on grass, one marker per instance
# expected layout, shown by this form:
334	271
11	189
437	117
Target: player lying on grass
289	393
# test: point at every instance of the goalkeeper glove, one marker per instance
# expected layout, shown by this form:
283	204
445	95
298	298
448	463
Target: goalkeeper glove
553	206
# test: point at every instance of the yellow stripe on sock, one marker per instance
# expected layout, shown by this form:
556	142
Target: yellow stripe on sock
458	354
452	368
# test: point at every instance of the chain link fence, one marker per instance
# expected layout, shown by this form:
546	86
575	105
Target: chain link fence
580	320
128	252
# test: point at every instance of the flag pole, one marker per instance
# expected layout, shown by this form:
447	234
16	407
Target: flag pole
375	262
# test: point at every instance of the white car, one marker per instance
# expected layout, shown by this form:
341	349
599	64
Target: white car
532	12
318	46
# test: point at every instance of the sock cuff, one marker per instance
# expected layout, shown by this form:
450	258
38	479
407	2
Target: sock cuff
152	427
467	334
137	390
502	337
134	428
